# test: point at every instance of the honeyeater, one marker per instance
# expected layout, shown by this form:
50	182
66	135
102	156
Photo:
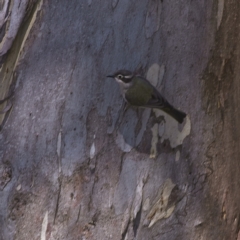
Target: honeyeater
139	92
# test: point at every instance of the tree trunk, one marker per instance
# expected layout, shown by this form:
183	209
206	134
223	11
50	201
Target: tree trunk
75	165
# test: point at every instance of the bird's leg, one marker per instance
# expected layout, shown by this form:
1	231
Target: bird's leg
124	108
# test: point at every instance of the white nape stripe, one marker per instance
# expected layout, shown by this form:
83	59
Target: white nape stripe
128	77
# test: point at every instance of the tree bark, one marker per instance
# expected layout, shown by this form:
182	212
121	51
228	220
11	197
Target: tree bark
74	165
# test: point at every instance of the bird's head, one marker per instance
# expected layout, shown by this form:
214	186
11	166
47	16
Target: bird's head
122	76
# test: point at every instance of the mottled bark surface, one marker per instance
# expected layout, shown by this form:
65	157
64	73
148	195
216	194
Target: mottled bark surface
73	165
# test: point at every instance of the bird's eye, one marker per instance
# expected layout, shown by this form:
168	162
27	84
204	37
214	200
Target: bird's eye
120	76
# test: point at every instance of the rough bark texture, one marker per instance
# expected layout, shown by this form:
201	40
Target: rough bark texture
73	165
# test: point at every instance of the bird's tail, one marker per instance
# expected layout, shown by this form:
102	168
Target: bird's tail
173	112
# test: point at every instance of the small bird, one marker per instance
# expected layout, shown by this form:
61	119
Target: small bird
137	91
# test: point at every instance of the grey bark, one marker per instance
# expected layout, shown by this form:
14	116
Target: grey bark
73	165
11	15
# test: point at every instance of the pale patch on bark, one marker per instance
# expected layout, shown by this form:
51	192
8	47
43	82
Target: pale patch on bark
44	226
92	151
169	130
17	10
155	74
177	156
16	14
137	202
3	13
160	209
220	12
153	151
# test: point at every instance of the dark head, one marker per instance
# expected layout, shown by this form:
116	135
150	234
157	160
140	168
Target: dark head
122	76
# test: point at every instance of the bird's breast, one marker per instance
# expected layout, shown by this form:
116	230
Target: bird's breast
137	95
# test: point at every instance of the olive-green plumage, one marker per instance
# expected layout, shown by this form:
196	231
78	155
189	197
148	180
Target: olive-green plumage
138	91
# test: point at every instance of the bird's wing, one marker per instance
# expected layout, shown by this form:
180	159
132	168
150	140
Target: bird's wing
156	100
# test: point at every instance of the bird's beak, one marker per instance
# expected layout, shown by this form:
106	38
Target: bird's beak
111	76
